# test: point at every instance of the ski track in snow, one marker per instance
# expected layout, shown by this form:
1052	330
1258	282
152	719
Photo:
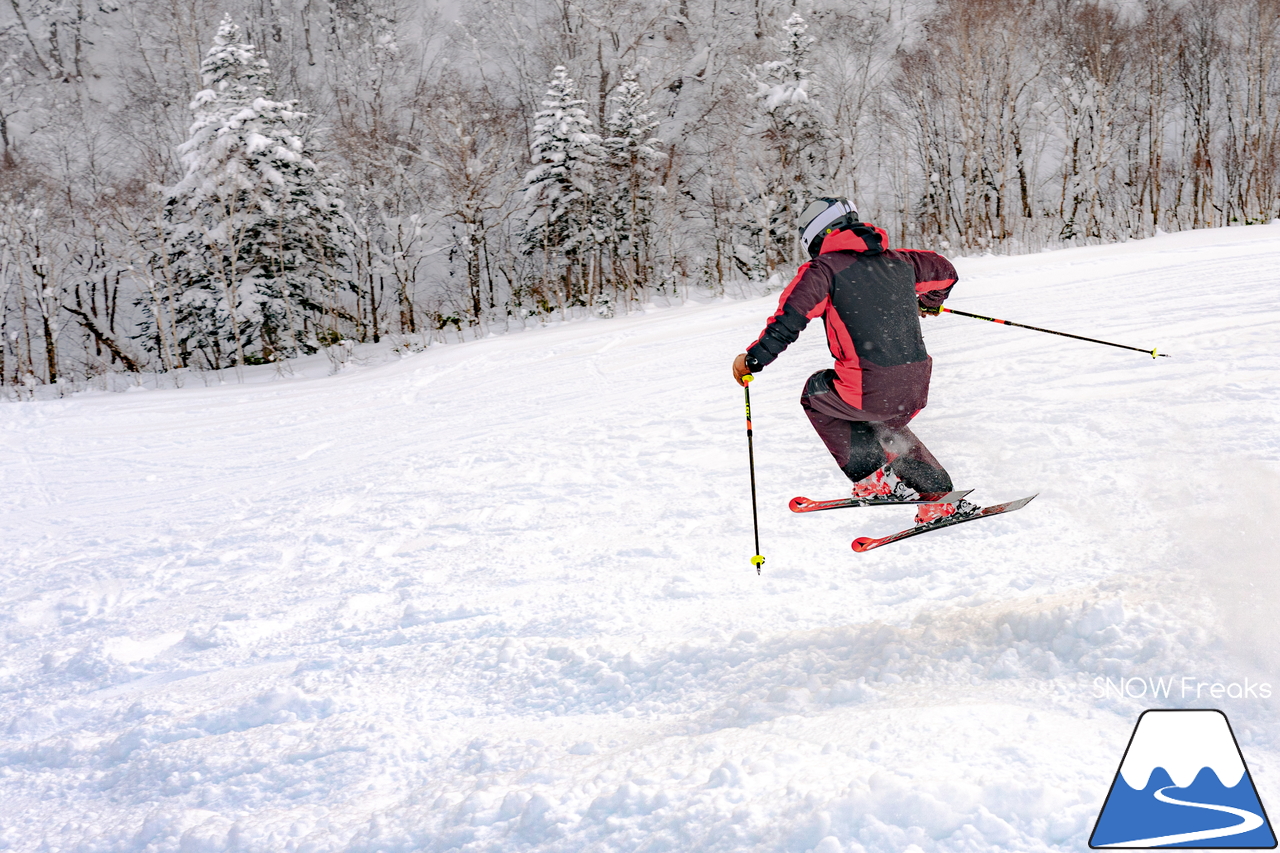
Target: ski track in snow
496	596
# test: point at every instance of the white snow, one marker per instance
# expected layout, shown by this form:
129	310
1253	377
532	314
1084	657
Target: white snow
497	596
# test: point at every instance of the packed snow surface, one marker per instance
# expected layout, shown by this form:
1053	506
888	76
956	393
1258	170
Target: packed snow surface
497	595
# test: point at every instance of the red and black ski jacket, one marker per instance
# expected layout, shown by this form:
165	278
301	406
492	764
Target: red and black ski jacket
867	297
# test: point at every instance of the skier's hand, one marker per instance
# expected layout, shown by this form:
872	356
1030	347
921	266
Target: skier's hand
926	311
740	368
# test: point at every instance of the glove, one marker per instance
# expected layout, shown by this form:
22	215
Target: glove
926	311
740	368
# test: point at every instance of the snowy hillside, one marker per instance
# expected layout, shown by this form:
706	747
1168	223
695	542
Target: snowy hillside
496	596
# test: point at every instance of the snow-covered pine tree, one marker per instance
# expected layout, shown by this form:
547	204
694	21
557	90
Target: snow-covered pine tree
796	140
255	230
560	190
633	159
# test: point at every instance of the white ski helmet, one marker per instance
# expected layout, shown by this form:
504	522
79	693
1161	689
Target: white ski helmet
824	216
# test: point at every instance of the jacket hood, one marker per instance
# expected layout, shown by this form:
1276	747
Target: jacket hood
862	237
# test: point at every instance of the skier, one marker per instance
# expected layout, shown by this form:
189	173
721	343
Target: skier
870	299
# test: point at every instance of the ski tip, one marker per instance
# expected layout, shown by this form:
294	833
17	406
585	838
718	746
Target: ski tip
862	543
799	504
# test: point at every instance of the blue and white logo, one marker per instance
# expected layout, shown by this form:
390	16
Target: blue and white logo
1183	783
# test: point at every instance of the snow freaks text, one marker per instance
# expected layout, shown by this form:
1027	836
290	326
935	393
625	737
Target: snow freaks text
1183	687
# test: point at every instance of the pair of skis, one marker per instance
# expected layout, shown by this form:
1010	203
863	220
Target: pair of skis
865	543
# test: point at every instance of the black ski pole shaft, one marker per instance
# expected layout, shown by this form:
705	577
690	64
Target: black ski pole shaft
757	560
1150	352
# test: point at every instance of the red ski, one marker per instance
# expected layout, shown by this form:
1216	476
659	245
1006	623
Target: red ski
807	505
865	543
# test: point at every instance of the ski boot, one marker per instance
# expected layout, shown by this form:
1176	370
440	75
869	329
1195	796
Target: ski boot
884	483
927	513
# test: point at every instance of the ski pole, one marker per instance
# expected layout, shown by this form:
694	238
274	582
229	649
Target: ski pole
1150	352
757	560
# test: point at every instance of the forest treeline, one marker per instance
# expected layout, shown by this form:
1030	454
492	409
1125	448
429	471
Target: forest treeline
190	186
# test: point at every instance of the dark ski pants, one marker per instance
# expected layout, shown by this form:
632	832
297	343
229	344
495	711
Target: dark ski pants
861	442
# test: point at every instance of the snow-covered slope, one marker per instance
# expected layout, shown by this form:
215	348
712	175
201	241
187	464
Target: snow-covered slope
497	596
